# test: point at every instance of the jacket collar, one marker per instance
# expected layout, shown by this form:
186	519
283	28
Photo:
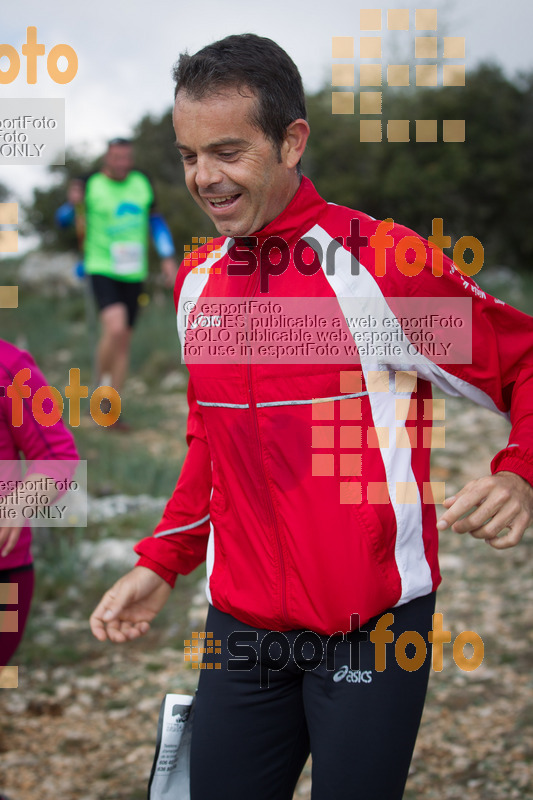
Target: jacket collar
295	219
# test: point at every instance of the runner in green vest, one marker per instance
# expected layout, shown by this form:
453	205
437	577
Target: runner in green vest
114	211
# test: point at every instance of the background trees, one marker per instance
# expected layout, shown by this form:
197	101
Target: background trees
481	187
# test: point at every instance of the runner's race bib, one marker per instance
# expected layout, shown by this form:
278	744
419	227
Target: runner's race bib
127	257
169	779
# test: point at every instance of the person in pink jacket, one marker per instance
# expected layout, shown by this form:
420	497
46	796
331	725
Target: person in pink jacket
22	434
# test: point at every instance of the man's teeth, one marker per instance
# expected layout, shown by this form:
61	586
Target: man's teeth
221	200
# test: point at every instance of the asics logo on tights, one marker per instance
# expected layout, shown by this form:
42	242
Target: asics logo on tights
352	675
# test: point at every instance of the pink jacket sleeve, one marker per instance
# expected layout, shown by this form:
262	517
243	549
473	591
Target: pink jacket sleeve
41	445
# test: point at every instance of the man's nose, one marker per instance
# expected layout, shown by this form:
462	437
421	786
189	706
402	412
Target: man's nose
207	173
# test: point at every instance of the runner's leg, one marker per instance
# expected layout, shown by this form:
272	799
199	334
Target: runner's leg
114	344
249	741
118	307
363	723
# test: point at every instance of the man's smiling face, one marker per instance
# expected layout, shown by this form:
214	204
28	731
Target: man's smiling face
232	170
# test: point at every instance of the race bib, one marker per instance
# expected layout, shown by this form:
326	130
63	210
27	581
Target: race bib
169	779
127	257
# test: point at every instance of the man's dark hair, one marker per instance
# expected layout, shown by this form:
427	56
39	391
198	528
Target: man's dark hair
249	61
118	140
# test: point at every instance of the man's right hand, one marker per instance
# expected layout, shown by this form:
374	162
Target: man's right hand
126	610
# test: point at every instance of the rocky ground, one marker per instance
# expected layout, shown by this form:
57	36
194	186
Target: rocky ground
87	731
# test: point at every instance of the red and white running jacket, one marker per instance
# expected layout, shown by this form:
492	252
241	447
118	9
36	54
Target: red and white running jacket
307	512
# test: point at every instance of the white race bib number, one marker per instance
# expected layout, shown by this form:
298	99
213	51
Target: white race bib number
127	257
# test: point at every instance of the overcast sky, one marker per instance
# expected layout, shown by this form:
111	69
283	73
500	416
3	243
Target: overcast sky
126	49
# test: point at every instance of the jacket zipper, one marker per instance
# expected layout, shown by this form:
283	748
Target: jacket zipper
270	505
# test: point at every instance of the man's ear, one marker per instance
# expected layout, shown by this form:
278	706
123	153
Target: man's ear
295	141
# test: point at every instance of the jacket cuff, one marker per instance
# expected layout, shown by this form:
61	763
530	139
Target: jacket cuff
514	459
167	574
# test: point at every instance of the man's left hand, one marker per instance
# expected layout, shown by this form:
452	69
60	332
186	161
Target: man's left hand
500	501
169	268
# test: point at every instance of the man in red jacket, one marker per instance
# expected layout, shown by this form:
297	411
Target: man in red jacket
320	541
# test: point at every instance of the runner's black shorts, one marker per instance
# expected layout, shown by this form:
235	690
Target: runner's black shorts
108	291
266	700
